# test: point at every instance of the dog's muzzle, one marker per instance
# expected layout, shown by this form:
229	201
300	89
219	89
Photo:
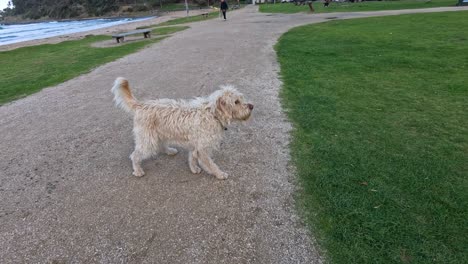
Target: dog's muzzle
250	107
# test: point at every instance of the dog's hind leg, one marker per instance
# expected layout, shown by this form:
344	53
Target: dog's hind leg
144	147
207	163
137	158
193	162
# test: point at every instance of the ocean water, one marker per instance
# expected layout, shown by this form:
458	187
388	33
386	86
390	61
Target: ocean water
17	33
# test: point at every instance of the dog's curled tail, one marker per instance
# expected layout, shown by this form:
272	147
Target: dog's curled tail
123	97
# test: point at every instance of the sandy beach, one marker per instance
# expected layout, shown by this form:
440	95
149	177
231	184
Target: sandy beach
103	31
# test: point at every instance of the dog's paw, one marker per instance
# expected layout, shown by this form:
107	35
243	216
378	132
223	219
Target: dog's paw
171	151
222	176
138	173
195	169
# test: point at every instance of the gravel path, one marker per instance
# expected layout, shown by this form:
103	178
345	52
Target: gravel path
67	194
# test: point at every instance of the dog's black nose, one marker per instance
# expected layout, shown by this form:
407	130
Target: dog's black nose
250	106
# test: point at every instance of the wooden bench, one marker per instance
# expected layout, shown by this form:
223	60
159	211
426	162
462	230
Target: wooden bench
120	37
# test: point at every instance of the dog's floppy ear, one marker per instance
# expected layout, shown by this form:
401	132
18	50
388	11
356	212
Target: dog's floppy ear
223	108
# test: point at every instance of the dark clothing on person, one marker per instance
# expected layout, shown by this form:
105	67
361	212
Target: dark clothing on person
224	7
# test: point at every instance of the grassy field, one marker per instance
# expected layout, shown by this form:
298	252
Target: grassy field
354	7
177	7
184	20
189	19
181	6
380	139
27	70
167	30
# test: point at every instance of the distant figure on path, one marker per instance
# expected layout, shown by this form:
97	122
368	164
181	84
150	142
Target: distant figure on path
224	8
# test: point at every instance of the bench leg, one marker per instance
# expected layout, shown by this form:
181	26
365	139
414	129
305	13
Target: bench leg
147	35
120	39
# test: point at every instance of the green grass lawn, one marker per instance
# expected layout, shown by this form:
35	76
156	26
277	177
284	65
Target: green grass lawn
177	7
27	70
167	30
380	140
181	6
354	7
189	19
184	20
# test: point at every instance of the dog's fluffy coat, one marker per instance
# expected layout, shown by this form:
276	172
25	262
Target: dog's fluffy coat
196	125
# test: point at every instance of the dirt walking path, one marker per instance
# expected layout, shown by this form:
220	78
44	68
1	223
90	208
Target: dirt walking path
67	194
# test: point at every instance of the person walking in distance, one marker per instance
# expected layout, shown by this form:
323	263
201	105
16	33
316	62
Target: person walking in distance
224	8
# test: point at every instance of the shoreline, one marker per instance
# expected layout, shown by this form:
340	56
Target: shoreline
24	22
163	17
150	13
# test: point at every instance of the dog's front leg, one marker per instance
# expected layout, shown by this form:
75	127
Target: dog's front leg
210	167
193	162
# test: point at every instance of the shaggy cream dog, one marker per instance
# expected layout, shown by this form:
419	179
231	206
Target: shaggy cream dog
196	125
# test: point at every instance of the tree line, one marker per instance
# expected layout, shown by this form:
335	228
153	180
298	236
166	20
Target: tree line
60	9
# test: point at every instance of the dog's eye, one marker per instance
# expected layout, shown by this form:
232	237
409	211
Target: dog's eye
237	102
